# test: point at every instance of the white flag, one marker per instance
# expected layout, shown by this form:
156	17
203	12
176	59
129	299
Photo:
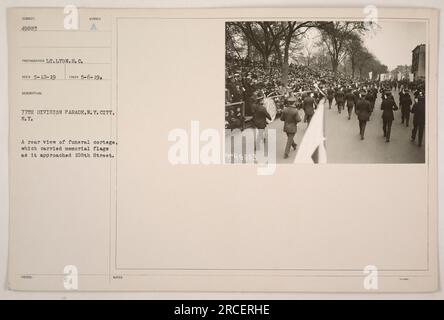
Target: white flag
411	77
312	148
370	74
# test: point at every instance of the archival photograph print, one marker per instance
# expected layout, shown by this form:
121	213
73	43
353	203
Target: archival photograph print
325	91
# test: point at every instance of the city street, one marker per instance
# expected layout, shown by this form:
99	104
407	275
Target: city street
343	141
345	146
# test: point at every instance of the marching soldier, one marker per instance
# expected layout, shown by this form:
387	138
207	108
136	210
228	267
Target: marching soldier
260	116
371	97
388	105
418	110
405	102
350	98
291	117
363	110
339	97
308	106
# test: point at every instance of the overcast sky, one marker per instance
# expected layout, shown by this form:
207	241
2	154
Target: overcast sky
394	41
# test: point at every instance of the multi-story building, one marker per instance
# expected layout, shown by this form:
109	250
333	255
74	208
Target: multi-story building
418	61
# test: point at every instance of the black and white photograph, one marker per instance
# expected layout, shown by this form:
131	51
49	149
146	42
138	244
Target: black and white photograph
329	91
122	180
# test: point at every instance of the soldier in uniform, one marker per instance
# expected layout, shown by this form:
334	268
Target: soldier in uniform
350	98
418	111
291	117
405	102
308	106
260	116
363	110
371	97
388	105
339	98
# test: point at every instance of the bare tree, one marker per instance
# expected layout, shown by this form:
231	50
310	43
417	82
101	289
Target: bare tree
276	38
234	44
292	32
264	36
308	52
335	35
363	58
354	48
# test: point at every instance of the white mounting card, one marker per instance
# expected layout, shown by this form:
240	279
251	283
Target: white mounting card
141	157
